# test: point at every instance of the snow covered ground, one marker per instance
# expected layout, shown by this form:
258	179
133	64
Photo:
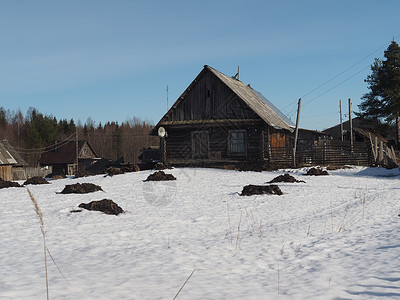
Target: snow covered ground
333	237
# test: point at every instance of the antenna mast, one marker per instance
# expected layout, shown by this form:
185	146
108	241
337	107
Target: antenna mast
167	97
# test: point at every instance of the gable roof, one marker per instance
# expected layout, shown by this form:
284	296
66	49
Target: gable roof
9	156
255	100
62	152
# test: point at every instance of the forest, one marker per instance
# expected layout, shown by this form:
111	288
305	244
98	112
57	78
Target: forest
29	134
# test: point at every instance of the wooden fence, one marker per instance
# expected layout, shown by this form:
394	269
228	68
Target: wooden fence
382	155
325	153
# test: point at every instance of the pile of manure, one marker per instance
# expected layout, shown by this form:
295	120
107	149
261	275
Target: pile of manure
81	188
316	172
106	206
285	178
160	176
6	184
250	189
36	180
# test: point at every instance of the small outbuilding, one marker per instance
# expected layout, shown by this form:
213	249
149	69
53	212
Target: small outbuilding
12	165
363	131
61	156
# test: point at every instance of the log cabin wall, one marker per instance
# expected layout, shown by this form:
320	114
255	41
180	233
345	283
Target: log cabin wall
180	143
209	99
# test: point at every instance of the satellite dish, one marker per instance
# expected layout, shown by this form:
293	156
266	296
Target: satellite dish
161	132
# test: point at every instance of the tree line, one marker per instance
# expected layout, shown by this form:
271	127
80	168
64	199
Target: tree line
31	133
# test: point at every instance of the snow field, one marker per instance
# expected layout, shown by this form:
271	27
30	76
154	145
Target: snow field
333	237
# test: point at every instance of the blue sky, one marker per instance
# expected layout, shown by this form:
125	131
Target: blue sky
112	60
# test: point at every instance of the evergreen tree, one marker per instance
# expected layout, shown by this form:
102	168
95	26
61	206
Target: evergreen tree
40	130
117	140
383	99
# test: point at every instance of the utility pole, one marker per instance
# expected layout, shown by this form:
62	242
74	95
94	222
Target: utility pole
296	134
76	148
351	126
19	121
341	121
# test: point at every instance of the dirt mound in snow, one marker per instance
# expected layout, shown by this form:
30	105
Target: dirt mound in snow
285	178
36	180
81	188
58	176
6	184
106	206
55	176
250	189
316	172
160	176
110	167
161	166
111	171
83	173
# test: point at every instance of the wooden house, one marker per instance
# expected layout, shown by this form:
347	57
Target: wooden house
61	156
219	121
11	163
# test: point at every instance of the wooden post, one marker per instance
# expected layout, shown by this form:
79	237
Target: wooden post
397	130
351	126
163	149
394	156
341	121
76	148
296	134
372	147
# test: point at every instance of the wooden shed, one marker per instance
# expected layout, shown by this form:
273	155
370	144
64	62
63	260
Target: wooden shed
362	130
61	156
219	120
11	163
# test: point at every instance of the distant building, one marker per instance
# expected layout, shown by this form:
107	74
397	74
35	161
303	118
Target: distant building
363	131
11	163
61	157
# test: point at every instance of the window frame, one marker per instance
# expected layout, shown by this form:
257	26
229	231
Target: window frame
231	146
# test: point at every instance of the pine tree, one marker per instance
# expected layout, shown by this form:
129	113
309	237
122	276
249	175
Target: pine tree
383	99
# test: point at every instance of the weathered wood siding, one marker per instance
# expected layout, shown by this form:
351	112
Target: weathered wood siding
210	99
179	143
6	173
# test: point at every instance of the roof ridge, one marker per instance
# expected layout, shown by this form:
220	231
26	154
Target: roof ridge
230	77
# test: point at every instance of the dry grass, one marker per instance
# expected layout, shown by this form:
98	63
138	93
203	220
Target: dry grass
238	232
229	221
40	215
187	279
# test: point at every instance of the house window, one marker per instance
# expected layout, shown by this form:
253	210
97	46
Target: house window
200	144
237	142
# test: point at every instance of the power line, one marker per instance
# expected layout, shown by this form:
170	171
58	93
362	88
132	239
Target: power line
336	76
340	83
43	150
